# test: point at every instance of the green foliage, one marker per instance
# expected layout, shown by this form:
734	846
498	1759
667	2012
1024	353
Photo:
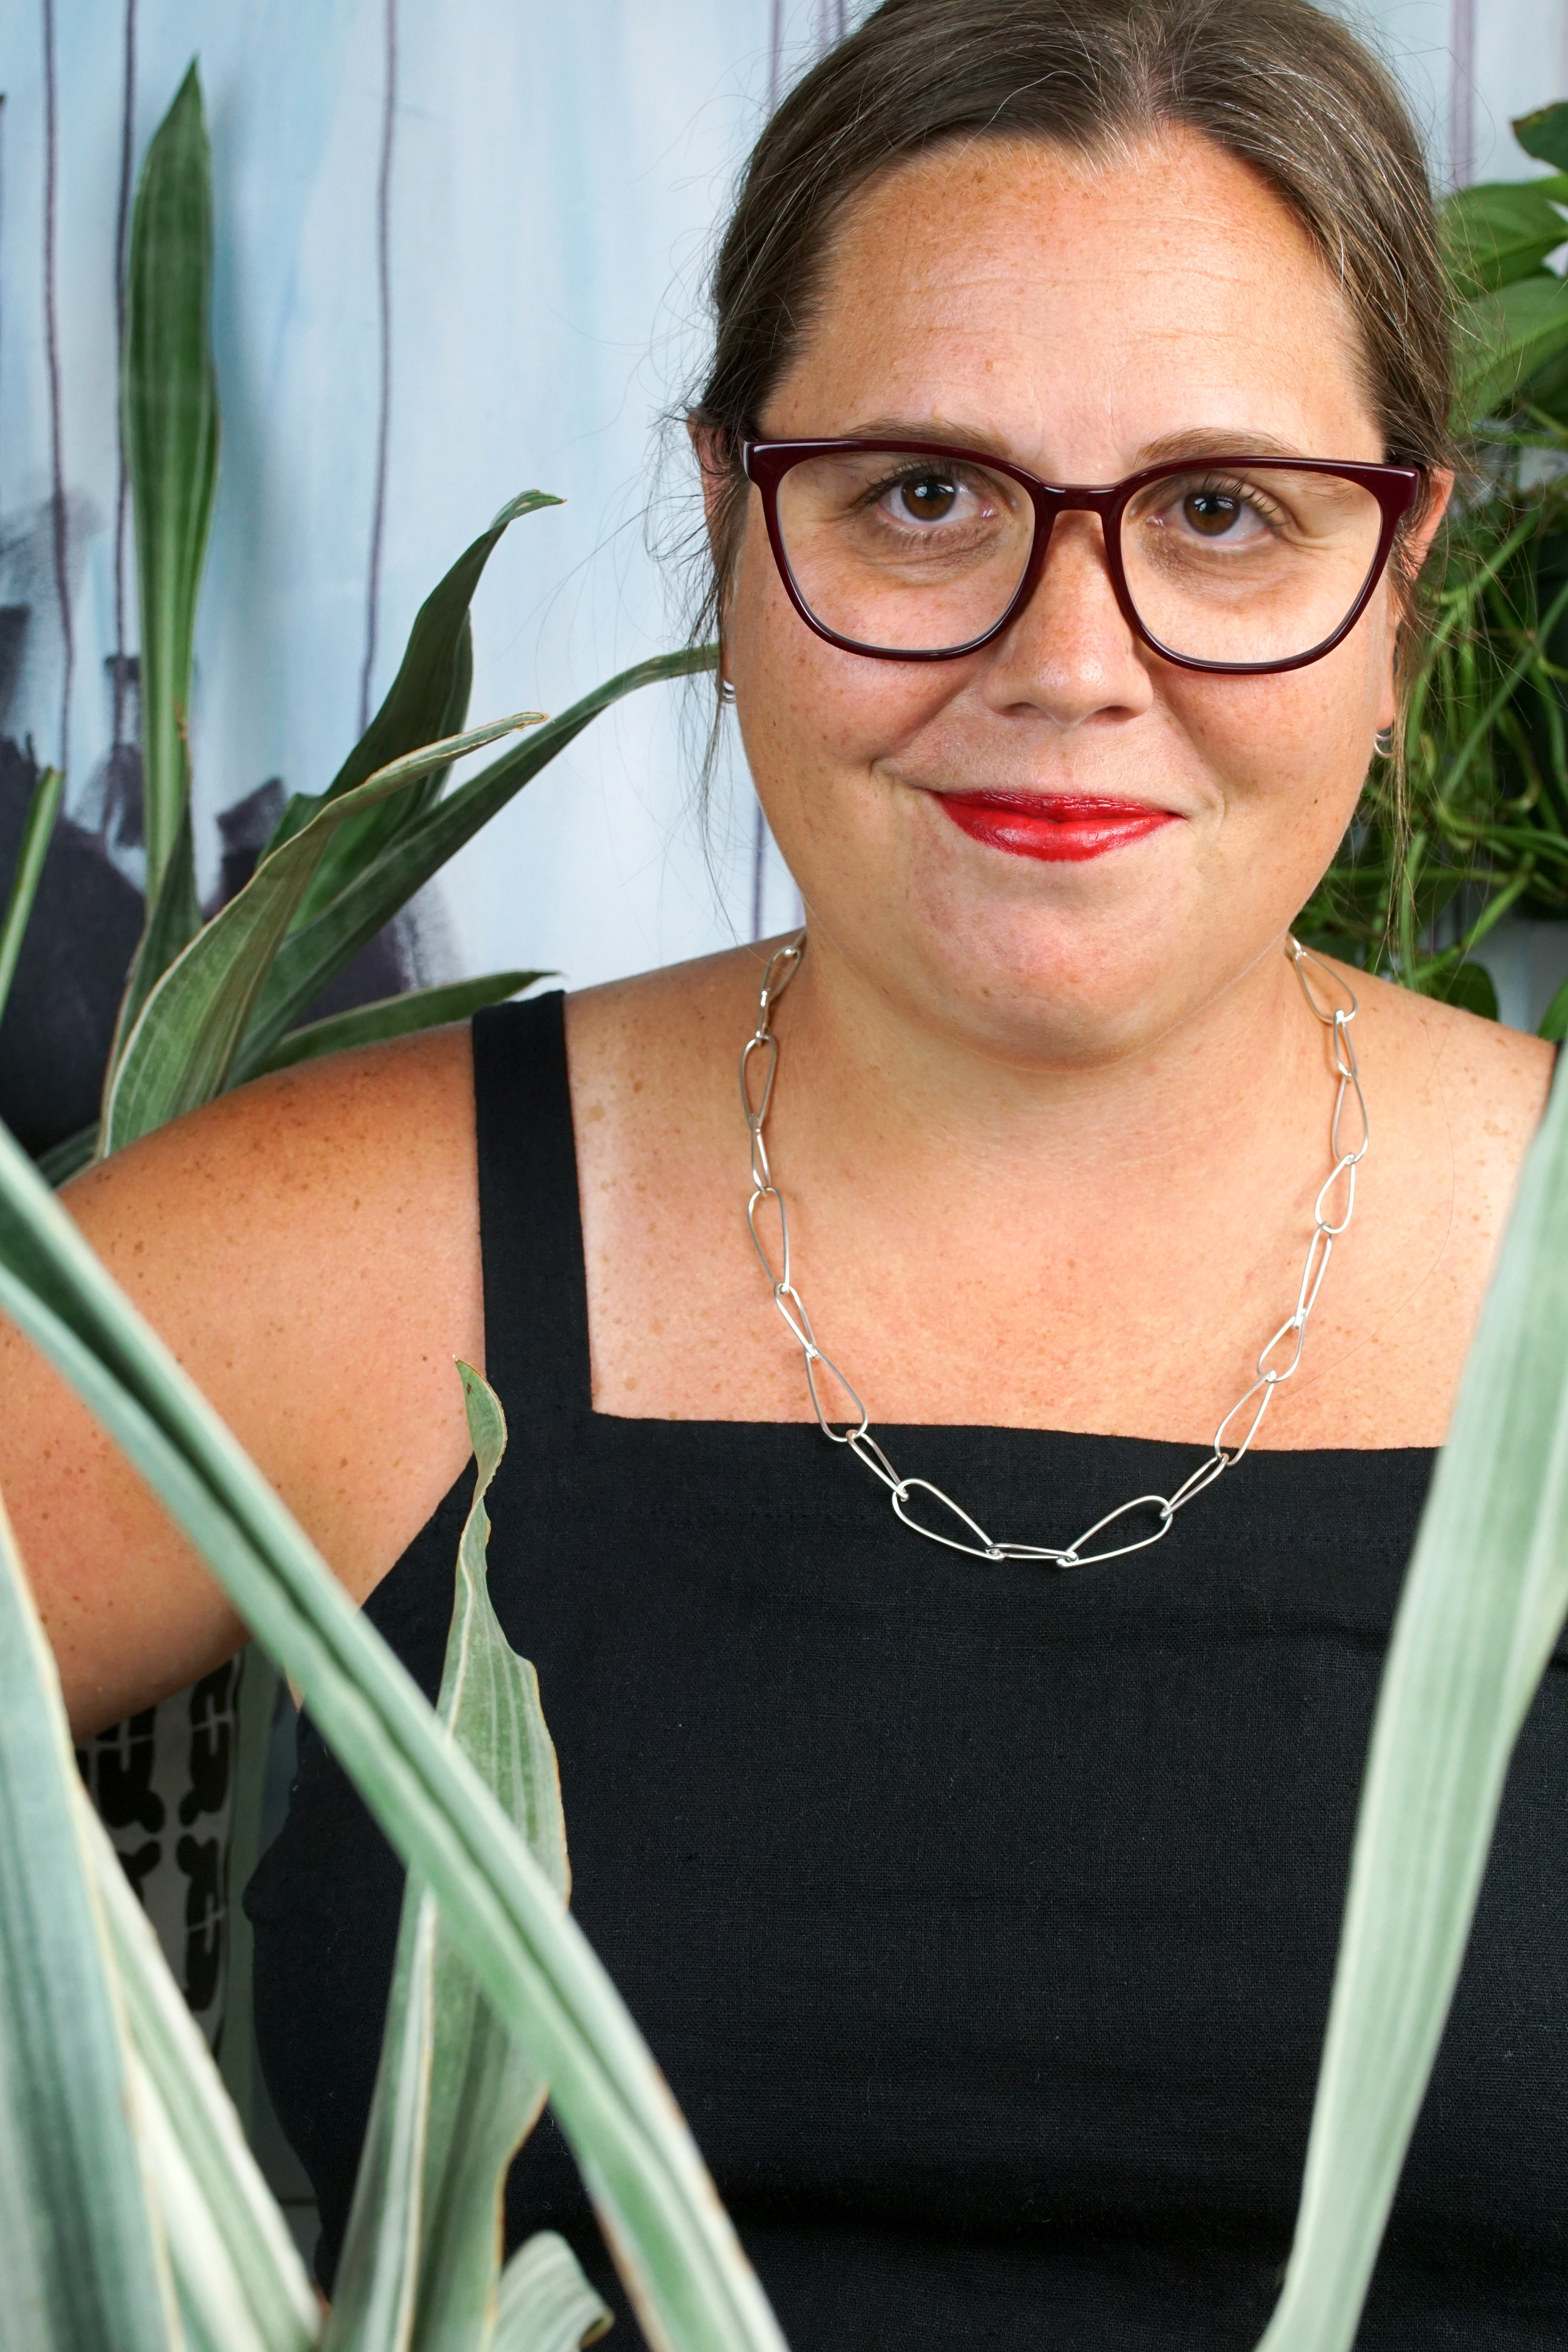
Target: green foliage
1481	823
168	408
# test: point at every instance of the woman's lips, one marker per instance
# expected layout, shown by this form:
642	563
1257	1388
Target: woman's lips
1029	824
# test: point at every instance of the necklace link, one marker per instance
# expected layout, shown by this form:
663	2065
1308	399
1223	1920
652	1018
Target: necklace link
1290	1337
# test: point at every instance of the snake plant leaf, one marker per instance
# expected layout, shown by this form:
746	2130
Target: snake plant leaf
1498	232
64	1161
693	2288
427	701
256	1701
173	920
483	2094
547	2304
183	1048
168	408
36	828
1544	135
317	949
83	2264
399	1016
378	2281
1483	1604
1503	339
229	2228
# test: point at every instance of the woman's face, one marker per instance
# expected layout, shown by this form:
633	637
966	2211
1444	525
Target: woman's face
1083	319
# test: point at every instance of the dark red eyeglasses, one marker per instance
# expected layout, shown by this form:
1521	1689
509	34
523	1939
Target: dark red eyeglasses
911	550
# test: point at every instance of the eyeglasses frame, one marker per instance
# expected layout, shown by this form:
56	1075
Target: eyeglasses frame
766	463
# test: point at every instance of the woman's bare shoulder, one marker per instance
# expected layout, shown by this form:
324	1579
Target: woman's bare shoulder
308	1247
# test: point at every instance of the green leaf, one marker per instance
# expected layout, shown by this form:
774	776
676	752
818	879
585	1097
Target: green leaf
672	2240
173	920
1468	985
1498	232
168	405
83	2266
317	950
1504	338
241	2283
444	2169
547	2304
1482	1606
36	828
1554	1020
1544	135
58	1165
183	1048
258	1682
427	701
399	1016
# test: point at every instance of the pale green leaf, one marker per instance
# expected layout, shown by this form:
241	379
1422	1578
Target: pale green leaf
547	2304
83	2264
183	1048
1483	1604
36	828
399	1016
169	408
677	2251
484	2094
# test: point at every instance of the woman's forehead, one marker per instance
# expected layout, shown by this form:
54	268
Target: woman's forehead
1142	292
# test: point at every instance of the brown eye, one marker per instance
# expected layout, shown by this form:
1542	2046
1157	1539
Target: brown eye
1210	512
928	499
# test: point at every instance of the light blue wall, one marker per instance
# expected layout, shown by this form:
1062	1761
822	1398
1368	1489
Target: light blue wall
556	174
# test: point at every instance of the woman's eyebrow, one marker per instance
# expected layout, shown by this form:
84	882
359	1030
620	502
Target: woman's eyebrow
1193	441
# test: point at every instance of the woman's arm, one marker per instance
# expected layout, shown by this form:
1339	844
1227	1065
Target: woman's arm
308	1246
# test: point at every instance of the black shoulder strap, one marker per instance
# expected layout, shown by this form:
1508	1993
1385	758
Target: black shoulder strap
530	1223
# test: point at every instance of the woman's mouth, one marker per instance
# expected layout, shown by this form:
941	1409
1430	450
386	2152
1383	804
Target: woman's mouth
1058	826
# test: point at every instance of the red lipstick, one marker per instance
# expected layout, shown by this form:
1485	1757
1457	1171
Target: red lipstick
1060	826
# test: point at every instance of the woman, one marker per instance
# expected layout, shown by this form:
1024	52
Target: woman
978	1894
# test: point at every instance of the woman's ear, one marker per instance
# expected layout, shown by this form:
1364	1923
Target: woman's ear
1439	490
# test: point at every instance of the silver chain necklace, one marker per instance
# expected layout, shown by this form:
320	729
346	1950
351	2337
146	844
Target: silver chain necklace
1278	1360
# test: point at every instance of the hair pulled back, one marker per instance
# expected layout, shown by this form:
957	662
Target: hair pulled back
1278	84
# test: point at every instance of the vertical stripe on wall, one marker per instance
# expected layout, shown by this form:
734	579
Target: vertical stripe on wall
121	240
383	314
52	361
1462	96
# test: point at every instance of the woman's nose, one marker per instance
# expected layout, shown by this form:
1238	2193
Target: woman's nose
1070	653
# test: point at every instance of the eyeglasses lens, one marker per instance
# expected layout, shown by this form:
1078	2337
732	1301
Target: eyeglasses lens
1235	565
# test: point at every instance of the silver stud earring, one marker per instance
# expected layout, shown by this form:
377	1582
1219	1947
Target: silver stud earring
1383	742
726	693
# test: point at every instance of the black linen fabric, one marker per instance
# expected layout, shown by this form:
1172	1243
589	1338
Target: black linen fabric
982	1917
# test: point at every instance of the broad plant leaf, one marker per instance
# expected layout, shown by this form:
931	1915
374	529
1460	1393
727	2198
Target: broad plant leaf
241	2285
1498	232
38	827
1554	1020
684	2269
1482	1607
183	1048
1544	135
427	701
317	950
1504	338
546	2303
399	1016
482	2093
255	1702
83	2262
64	1161
169	407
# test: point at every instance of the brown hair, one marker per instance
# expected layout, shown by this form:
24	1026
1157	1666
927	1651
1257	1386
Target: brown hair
1277	83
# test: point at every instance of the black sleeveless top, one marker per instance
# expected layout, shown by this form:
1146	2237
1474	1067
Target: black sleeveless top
982	1917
